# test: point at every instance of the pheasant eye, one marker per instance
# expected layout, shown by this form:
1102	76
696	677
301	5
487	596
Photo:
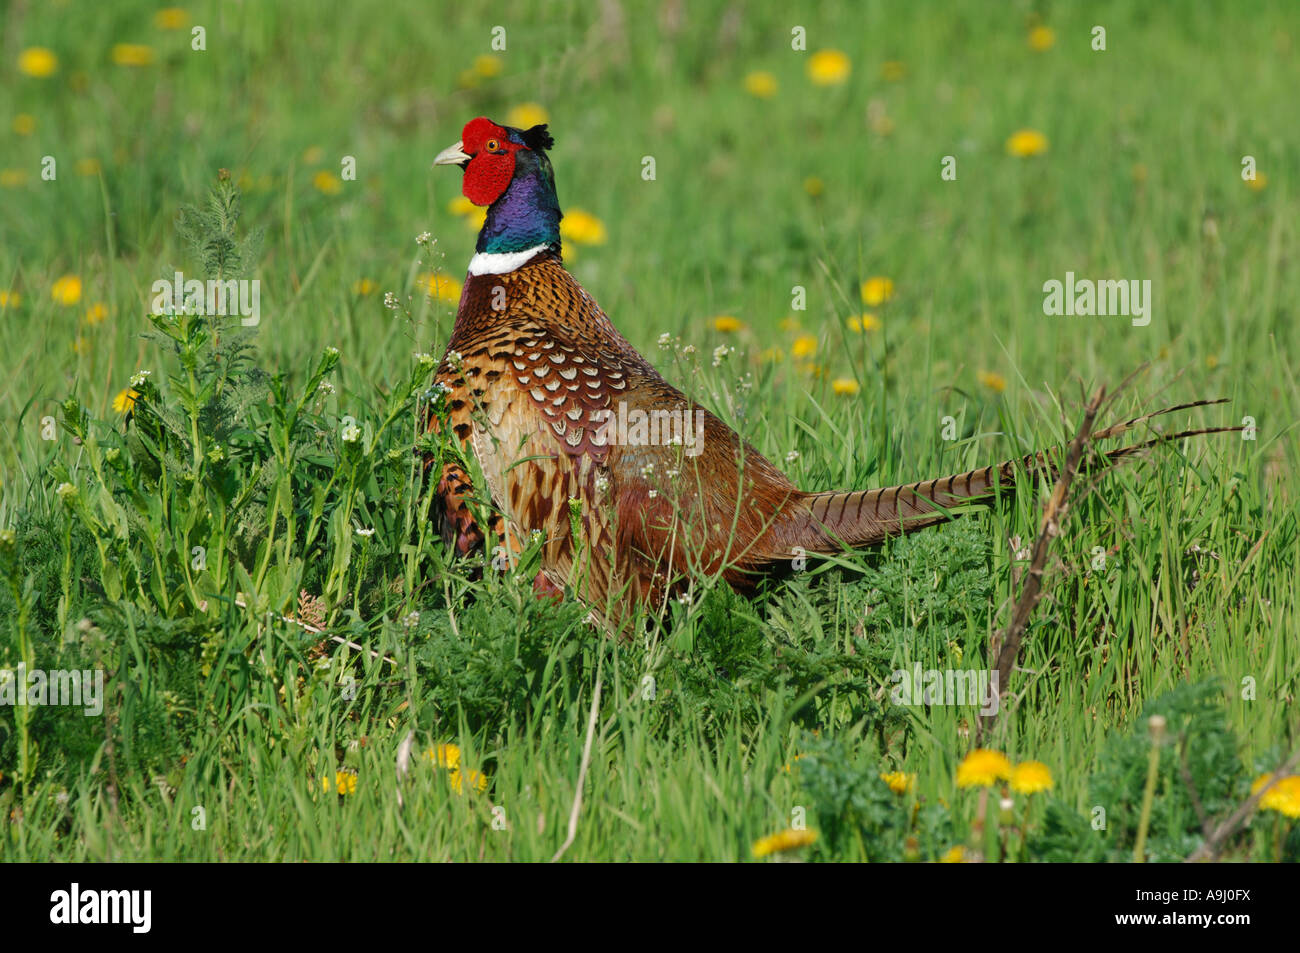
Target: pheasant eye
492	145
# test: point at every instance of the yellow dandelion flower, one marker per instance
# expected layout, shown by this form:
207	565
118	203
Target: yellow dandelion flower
476	218
132	54
1042	38
790	323
12	178
38	62
814	186
844	386
1283	797
761	84
1024	143
899	782
66	290
171	18
441	287
363	287
993	381
345	782
125	400
782	841
772	355
876	291
1212	361
488	65
892	71
461	206
859	323
727	324
80	345
1030	777
983	768
86	167
805	345
468	79
477	782
829	67
327	182
955	855
1258	183
312	155
10	299
526	115
96	313
583	228
813	369
24	124
444	756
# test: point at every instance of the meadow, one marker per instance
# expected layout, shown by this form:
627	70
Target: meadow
231	522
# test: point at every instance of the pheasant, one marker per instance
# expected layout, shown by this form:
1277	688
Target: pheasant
632	487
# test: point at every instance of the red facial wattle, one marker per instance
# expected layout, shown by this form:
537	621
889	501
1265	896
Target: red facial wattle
492	164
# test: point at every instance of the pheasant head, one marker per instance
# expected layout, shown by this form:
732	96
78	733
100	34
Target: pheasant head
507	170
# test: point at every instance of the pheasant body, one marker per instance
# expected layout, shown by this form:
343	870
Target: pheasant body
536	373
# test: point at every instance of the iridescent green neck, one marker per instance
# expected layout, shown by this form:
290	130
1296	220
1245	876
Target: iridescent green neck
528	213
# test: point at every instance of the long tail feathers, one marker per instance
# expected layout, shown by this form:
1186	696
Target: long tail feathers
836	520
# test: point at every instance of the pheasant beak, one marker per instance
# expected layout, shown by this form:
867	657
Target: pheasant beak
453	155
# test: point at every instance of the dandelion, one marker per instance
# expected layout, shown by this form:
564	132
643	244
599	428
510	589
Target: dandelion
38	62
844	386
12	178
1042	39
1257	182
790	323
526	115
892	71
441	287
983	768
80	345
829	67
1026	142
23	124
363	287
1283	797
782	841
993	381
444	756
727	324
66	290
96	313
87	167
10	299
955	855
760	84
345	782
583	228
772	355
1031	777
125	400
327	182
859	323
899	782
132	54
814	186
876	291
804	346
487	65
171	18
475	778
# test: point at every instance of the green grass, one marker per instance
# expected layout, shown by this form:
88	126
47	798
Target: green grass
732	715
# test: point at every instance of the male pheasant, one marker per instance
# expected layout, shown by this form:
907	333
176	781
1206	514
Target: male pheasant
541	388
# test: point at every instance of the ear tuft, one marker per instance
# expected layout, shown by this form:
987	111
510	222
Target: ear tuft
537	138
